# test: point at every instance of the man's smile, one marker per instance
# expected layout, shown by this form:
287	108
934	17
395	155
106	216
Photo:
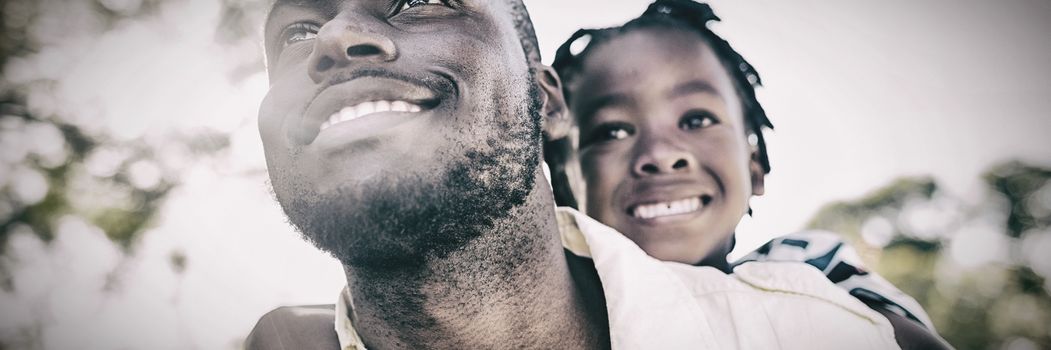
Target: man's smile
365	106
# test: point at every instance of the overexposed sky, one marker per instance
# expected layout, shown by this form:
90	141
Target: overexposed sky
861	92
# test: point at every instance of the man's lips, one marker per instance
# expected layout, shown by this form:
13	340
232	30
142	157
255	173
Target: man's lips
368	96
657	209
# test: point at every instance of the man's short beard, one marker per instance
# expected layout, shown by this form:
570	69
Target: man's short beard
397	220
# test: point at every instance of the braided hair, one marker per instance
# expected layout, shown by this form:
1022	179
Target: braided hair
683	14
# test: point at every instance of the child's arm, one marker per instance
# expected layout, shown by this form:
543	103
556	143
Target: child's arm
909	334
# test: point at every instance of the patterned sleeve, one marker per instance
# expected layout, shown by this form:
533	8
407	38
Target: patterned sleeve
840	262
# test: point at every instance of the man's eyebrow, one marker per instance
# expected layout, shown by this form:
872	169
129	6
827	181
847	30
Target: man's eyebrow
322	5
692	87
277	3
274	5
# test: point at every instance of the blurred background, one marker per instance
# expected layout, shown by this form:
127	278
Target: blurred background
135	211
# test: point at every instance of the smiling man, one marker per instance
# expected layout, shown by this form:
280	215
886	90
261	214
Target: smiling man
403	138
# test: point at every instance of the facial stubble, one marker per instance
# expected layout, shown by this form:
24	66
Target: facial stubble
401	219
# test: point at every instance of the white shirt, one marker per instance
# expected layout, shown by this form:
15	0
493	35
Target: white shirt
654	304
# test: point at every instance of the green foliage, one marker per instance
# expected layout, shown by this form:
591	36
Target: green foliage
111	200
847	217
985	306
177	260
57	167
122	218
1016	182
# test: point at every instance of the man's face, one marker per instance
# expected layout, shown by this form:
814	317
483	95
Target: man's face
663	147
397	130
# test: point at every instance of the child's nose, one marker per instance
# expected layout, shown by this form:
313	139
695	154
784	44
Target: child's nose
663	160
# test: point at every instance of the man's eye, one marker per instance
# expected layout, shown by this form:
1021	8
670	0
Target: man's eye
697	120
610	132
299	32
405	5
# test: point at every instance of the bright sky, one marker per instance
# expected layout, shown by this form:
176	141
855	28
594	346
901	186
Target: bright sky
861	92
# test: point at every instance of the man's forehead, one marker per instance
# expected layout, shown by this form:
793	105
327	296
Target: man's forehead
303	2
319	4
331	7
332	4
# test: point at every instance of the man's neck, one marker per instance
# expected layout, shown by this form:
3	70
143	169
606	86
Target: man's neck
509	288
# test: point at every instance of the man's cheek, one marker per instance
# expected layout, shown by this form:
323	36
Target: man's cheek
281	107
269	128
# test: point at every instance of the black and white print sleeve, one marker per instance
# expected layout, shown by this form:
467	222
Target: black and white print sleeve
841	264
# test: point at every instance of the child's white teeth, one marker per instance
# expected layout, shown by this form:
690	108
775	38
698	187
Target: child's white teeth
365	108
682	206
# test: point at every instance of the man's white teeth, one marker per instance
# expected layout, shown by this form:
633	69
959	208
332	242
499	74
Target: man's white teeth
682	206
365	108
402	106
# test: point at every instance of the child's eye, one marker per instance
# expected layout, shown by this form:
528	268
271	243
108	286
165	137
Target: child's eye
609	132
693	120
298	32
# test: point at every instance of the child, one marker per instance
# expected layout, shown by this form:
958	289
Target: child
671	150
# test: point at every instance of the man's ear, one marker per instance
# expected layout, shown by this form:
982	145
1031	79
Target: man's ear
554	110
758	175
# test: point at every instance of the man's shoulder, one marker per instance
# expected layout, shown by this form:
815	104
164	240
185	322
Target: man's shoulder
295	327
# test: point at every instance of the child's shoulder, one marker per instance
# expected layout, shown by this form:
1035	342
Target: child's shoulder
772	297
820	249
840	263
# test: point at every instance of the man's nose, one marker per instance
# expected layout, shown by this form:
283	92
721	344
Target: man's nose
340	43
663	158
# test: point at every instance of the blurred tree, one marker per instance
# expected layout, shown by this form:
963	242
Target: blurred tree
44	155
968	264
55	165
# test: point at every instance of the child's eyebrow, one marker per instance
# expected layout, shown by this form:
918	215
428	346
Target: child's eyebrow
692	87
603	101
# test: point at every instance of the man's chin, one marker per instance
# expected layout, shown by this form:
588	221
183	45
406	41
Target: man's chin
402	221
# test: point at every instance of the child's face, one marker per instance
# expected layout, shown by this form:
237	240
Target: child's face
664	147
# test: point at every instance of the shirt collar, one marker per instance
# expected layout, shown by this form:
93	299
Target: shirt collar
643	298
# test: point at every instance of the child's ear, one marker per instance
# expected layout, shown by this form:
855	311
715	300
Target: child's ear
556	118
755	167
